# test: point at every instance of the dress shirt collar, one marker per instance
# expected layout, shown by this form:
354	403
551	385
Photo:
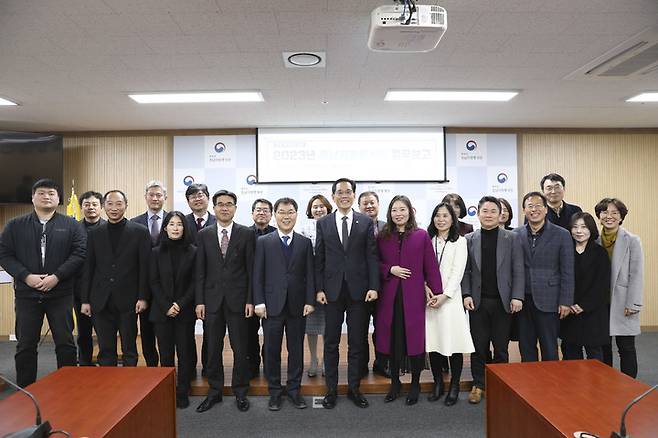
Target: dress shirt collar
228	229
283	234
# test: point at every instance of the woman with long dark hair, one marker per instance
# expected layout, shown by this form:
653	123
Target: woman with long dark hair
457	204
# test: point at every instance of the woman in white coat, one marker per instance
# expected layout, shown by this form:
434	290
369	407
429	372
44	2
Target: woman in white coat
626	282
446	325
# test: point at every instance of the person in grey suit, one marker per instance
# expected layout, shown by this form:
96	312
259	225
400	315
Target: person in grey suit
284	294
549	280
492	287
626	282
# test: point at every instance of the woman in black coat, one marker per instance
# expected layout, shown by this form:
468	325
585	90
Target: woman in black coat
588	324
172	288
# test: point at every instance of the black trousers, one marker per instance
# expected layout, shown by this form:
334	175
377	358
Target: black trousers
535	325
490	324
174	336
380	359
85	338
575	352
237	324
29	320
106	323
627	354
335	315
147	334
273	328
253	344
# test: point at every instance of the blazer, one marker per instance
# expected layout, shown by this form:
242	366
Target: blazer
549	277
510	275
225	278
123	276
358	265
277	282
20	252
144	220
168	286
191	224
77	283
626	284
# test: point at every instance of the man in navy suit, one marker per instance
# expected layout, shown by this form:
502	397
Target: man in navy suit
559	212
346	278
284	293
549	280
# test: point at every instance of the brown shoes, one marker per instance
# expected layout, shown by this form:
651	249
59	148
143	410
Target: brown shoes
476	395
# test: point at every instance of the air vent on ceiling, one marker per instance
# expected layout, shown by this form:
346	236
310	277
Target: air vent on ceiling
635	57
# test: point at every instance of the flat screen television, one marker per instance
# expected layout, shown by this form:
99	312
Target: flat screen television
26	157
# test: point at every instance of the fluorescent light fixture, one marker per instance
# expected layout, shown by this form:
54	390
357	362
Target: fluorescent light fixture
6	102
644	97
203	97
449	95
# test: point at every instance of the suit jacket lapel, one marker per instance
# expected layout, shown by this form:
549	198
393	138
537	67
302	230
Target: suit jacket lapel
355	225
618	253
334	228
547	235
501	250
215	243
477	248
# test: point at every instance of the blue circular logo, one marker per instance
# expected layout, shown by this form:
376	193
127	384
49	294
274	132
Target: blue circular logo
472	210
188	180
471	145
251	180
220	147
502	178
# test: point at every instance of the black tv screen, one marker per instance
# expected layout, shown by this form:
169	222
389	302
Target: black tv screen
26	157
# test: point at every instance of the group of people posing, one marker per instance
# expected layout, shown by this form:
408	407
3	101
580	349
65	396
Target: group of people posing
441	292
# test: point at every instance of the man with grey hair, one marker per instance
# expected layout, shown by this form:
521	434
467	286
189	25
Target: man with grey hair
155	194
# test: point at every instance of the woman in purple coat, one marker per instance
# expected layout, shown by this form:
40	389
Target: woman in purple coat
407	263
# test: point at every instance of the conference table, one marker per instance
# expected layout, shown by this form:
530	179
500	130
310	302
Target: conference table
559	398
98	402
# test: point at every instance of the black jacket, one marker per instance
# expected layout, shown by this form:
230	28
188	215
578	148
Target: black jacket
168	286
191	224
20	252
77	282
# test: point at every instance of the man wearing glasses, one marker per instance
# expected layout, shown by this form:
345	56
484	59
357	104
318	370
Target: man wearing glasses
559	212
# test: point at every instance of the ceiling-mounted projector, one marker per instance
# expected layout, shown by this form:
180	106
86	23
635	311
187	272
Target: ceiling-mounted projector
399	28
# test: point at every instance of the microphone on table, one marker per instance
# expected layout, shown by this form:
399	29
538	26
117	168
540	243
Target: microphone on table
40	429
622	427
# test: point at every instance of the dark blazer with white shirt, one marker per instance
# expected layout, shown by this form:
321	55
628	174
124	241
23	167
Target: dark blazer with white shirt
191	224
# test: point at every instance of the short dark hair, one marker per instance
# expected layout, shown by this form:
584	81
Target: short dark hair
552	177
325	202
451	198
262	201
195	188
164	240
340	180
91	194
125	199
590	223
368	193
489	199
223	192
46	183
539	194
285	201
453	233
390	227
602	205
508	206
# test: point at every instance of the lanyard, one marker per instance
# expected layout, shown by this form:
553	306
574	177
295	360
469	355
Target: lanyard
436	249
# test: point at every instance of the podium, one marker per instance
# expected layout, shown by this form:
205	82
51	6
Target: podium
558	398
98	402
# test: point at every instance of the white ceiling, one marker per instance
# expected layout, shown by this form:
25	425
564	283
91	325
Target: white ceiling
70	63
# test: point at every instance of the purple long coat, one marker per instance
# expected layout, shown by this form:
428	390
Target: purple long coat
418	256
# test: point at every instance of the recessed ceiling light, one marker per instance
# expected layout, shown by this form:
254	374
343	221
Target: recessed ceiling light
7	102
449	95
204	97
304	59
644	97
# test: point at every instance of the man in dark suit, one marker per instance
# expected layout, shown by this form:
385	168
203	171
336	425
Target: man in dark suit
115	286
284	294
549	280
91	204
346	278
369	205
492	289
559	212
43	251
197	196
225	258
261	213
155	195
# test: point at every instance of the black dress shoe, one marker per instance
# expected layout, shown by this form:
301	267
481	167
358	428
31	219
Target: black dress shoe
274	403
208	403
437	392
242	403
297	401
393	392
453	395
412	397
358	398
329	401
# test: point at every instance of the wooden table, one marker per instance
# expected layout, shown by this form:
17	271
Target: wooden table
556	399
99	402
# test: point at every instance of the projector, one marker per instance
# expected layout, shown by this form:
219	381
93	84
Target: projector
389	33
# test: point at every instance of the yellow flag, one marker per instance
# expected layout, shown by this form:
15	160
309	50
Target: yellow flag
73	207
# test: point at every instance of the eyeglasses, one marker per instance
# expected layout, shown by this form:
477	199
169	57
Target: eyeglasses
261	210
155	195
225	204
554	188
534	206
286	213
198	195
